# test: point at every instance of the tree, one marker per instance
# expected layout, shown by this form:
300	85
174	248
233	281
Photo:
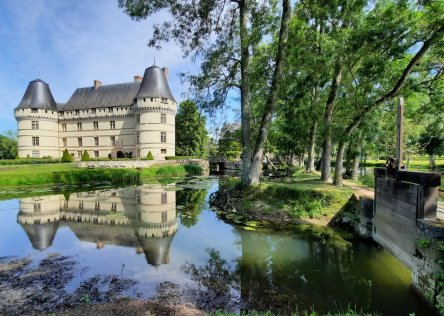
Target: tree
150	156
85	156
191	134
8	146
223	34
66	156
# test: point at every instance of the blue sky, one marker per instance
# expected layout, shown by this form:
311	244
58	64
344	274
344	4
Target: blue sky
70	43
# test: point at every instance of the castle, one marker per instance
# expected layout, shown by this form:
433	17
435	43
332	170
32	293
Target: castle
125	119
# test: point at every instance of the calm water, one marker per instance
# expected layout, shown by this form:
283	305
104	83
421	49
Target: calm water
166	238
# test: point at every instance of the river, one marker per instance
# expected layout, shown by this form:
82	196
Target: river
163	242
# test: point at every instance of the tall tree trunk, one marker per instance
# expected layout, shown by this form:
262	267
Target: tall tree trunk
432	161
328	113
255	168
354	174
245	92
337	180
311	148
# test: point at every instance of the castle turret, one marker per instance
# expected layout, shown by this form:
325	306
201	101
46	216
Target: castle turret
37	122
155	111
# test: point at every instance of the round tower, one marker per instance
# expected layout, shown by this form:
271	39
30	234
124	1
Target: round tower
155	112
37	122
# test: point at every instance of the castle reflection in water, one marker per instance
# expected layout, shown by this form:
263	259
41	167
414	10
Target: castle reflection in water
141	217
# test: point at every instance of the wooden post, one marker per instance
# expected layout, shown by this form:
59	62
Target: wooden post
400	132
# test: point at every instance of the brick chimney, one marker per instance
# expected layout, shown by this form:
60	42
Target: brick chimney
165	70
97	84
137	79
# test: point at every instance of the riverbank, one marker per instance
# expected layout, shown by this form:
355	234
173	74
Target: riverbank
302	200
68	174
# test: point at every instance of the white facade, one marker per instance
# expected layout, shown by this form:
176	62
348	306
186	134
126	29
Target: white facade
128	119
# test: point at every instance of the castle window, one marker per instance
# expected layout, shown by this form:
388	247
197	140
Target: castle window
113	140
81	205
35	141
93	111
79	126
96	141
137	137
62	113
110	109
96	154
35	124
164	217
163	118
77	112
64	127
113	207
79	154
46	111
35	154
138	153
137	118
112	124
34	110
163	198
163	100
79	140
37	207
152	99
96	125
64	142
163	151
163	137
144	99
97	206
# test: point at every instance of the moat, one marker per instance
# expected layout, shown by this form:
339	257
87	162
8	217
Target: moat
163	242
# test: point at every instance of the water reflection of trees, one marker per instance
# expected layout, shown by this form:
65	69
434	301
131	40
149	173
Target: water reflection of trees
283	274
217	282
193	202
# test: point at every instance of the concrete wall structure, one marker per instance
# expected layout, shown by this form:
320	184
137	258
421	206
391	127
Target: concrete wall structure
129	118
405	223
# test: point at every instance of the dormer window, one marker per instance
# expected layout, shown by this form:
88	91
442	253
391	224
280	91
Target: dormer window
62	113
77	112
34	110
164	100
110	109
93	111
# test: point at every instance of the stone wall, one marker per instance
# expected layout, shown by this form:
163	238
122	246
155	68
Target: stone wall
405	223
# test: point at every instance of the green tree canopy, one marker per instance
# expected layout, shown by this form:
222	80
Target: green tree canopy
191	134
8	146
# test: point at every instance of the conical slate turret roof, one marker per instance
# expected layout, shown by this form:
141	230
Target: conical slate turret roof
41	236
154	84
38	96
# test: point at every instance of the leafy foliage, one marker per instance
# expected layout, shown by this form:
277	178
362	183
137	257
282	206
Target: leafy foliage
191	134
149	156
66	156
85	156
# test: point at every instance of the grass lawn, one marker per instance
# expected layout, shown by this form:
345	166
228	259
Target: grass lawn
303	196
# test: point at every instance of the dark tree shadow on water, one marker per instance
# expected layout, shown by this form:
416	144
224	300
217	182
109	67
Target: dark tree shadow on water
217	283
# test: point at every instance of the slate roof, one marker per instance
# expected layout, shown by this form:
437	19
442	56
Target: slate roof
38	96
154	84
113	95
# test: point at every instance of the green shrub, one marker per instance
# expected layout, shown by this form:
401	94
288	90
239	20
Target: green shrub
193	170
66	156
85	156
149	156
